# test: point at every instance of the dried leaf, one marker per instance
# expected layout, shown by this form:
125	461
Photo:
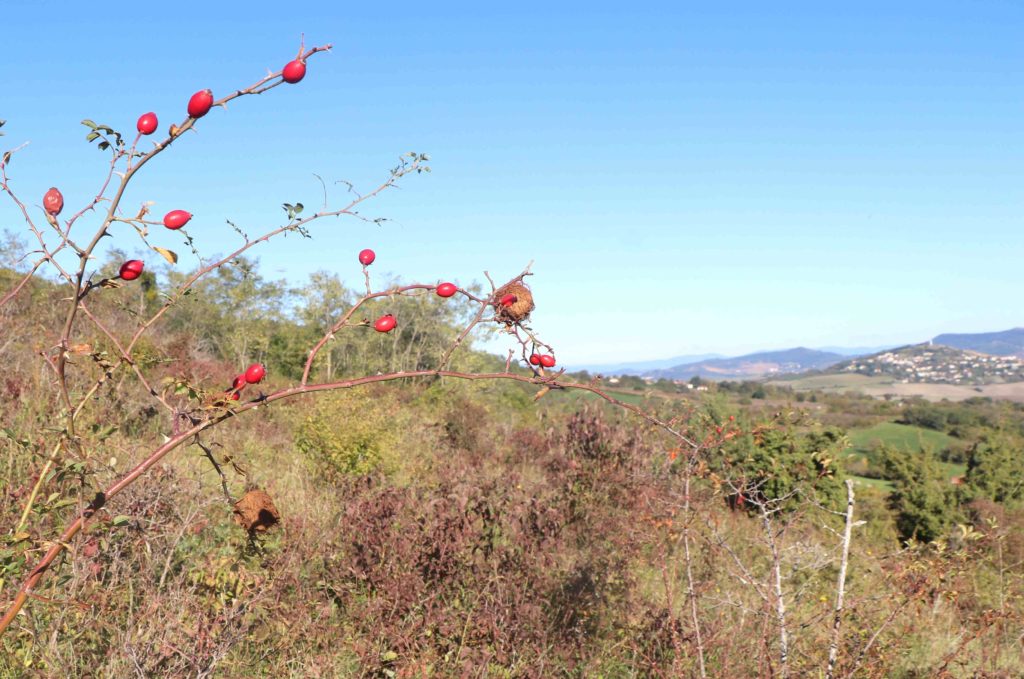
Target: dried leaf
169	255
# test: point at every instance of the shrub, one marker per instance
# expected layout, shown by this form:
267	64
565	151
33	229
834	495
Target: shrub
352	432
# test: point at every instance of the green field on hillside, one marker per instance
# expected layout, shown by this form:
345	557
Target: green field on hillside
899	436
864	442
831	383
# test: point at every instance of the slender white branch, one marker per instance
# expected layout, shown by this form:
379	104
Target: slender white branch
833	647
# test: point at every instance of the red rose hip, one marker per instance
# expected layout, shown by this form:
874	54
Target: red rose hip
367	256
508	300
131	269
200	103
235	396
53	201
385	323
534	359
547	360
238	383
147	123
175	219
255	373
446	289
294	71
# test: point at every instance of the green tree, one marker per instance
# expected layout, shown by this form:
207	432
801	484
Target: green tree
322	302
995	468
924	499
785	461
232	313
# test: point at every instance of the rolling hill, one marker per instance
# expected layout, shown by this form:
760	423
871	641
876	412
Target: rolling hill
1003	343
935	364
640	367
752	366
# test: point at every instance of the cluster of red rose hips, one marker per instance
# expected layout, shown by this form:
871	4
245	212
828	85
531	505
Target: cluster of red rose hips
387	322
543	360
254	374
199	105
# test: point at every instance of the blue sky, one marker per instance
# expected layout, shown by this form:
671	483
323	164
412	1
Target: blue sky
684	178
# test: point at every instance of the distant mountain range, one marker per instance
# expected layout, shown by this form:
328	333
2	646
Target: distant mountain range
827	359
752	366
855	351
643	367
1004	343
648	368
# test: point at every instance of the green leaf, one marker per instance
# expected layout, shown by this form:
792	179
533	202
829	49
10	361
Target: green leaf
104	145
92	136
298	208
104	434
121	520
88	123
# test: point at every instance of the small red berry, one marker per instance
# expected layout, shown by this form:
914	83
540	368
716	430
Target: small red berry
175	219
509	300
254	373
446	289
385	323
732	418
534	359
53	201
367	256
547	360
235	396
238	383
131	269
718	430
200	103
147	123
294	71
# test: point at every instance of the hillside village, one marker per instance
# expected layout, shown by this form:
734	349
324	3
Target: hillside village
938	364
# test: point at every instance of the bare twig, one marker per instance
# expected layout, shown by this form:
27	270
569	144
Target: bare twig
833	647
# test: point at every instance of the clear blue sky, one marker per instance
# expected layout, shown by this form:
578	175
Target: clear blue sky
685	178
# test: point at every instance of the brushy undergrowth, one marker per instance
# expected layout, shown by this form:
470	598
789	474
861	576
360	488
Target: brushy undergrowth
511	551
444	528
